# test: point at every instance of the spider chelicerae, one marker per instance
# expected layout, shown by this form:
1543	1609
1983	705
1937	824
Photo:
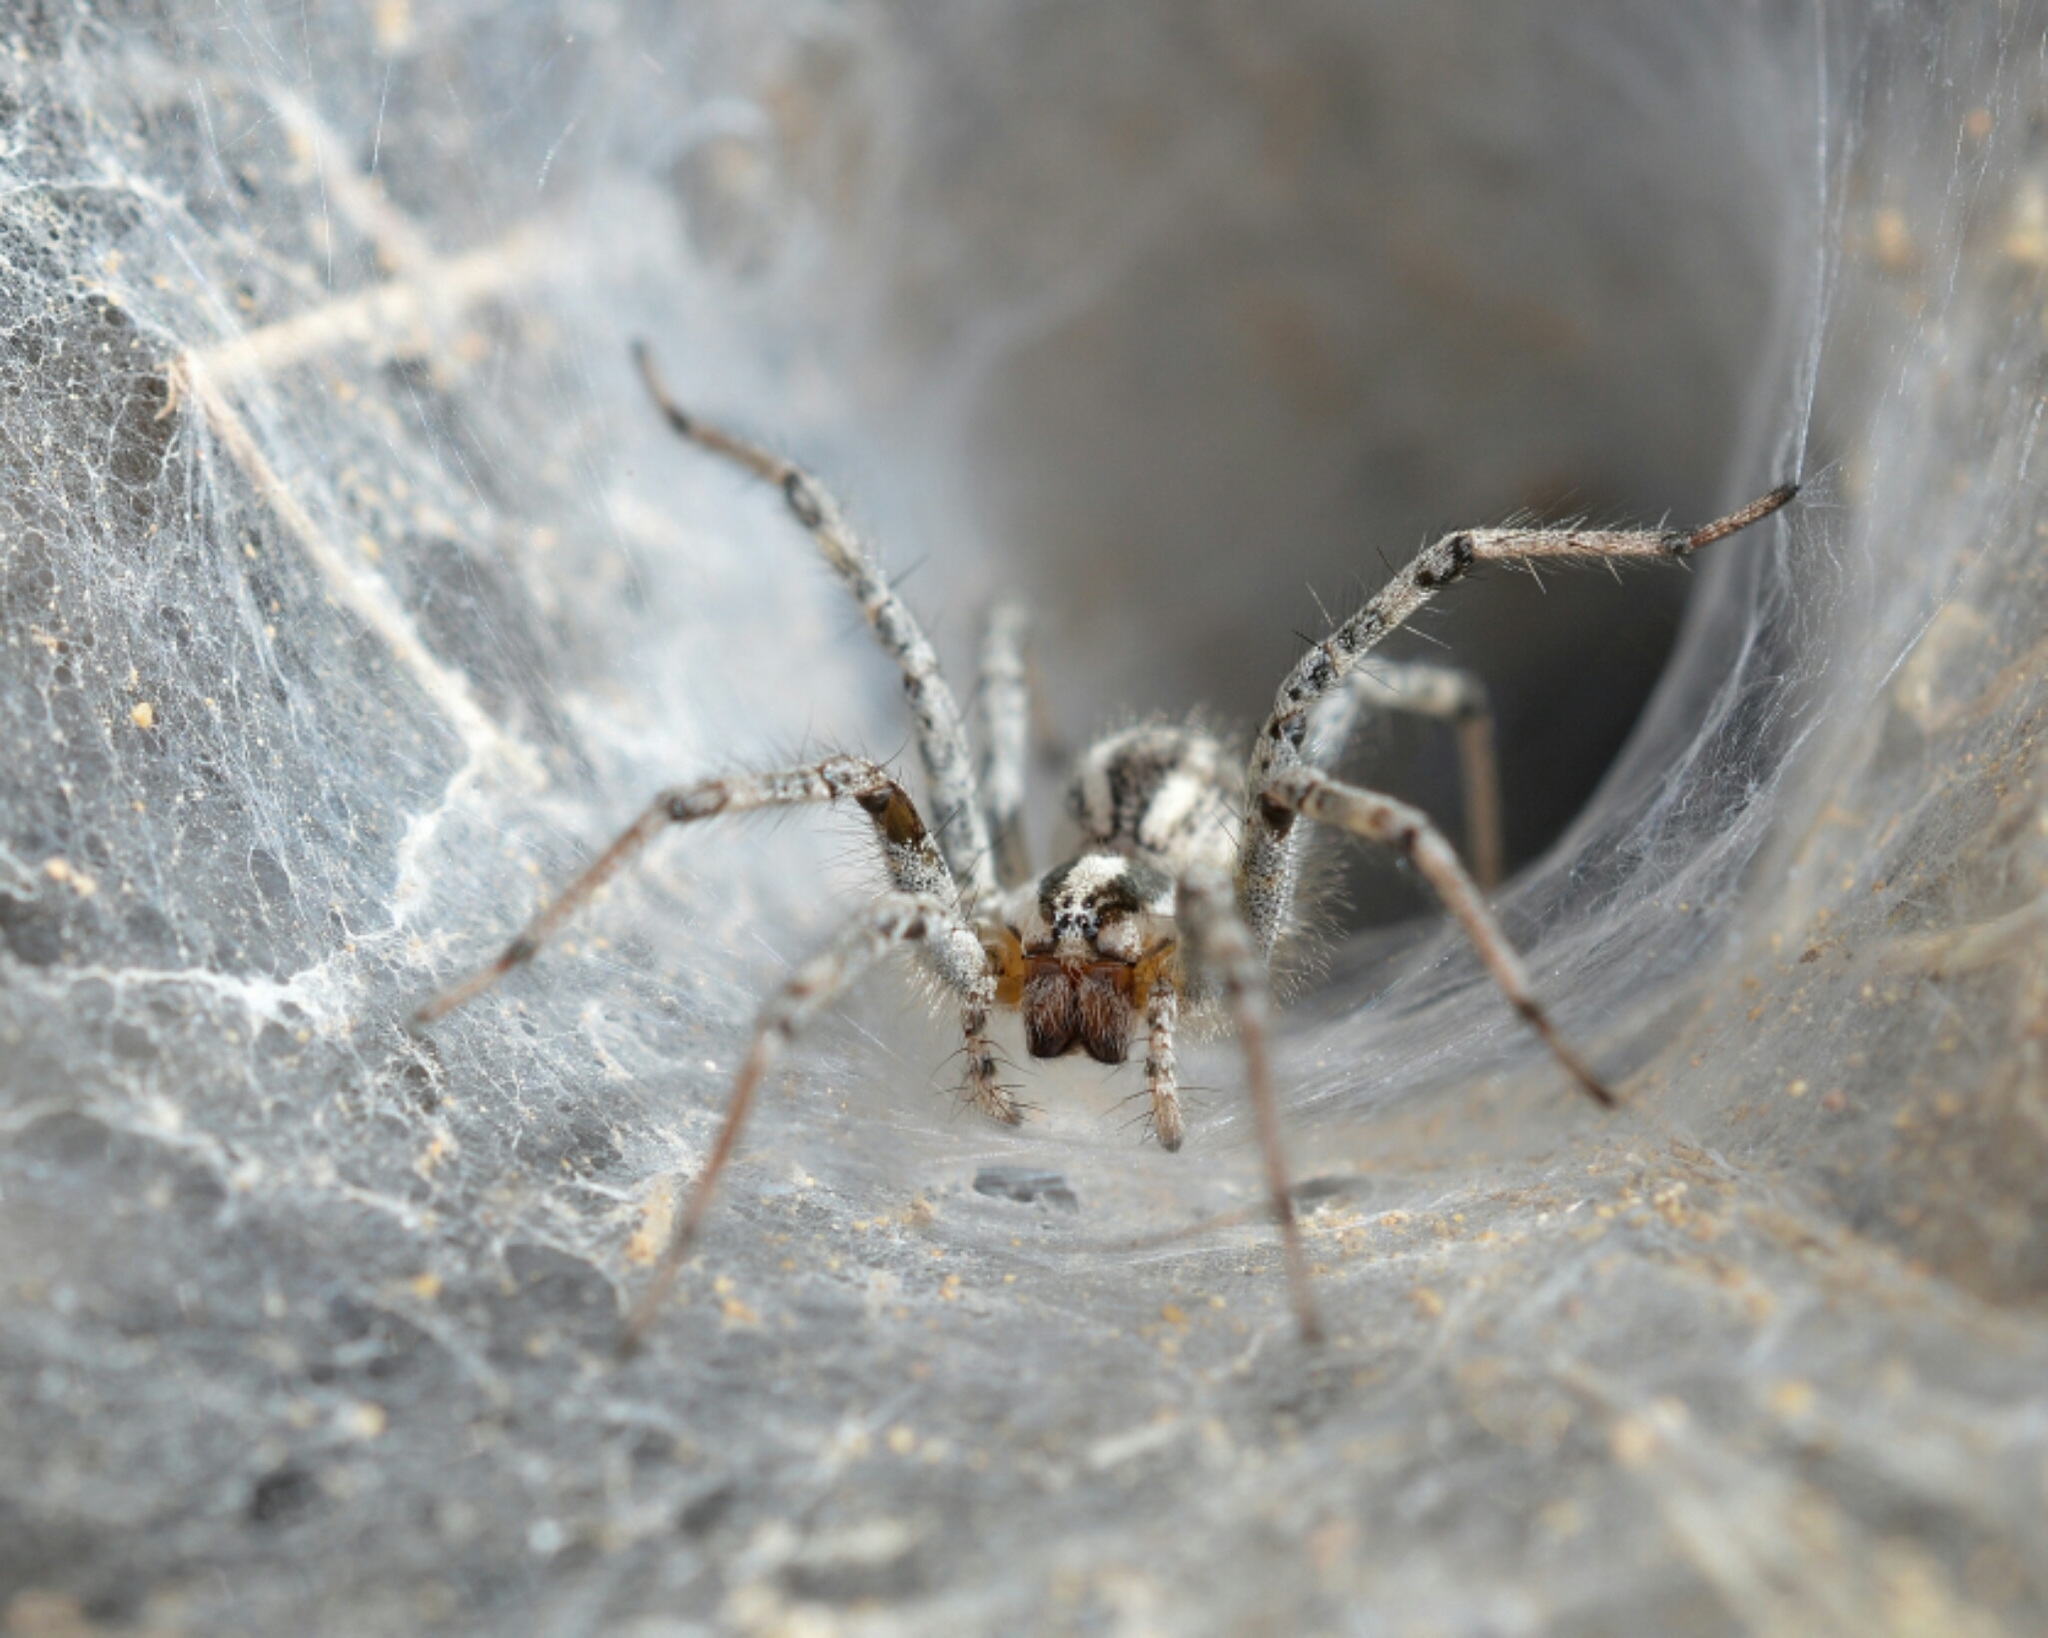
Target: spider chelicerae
1186	870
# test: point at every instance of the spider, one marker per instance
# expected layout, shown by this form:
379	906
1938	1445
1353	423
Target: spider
1186	870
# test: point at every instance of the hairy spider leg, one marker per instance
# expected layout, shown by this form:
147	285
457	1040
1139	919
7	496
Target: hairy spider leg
894	919
1376	818
1268	859
1224	956
941	734
1162	1068
915	866
1446	693
1005	716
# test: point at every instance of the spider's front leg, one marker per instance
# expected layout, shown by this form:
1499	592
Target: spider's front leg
955	954
1376	818
924	908
909	854
1282	781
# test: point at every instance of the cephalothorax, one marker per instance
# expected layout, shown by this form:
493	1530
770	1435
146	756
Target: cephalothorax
1186	870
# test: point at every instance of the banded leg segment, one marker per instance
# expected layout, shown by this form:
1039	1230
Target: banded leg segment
1005	712
1267	862
1446	693
913	860
898	918
1162	1068
1376	818
941	734
1223	956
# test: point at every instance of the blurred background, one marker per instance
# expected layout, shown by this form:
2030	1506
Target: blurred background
354	597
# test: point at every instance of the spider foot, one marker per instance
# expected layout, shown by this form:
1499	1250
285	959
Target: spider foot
1574	1065
999	1103
987	1094
1167	1129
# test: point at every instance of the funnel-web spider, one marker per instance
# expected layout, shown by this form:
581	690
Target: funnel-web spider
1186	869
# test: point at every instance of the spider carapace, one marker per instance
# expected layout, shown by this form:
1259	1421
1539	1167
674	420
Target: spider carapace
1186	872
